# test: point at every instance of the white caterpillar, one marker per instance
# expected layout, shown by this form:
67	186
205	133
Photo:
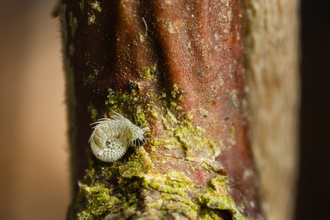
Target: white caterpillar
112	137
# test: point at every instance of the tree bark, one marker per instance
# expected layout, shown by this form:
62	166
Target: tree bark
272	57
176	66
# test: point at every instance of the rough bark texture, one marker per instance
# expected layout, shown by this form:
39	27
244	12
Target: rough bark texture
271	43
177	67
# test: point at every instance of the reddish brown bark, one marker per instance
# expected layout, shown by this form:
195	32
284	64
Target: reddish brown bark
190	54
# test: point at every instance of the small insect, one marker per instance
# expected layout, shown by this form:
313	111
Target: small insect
112	137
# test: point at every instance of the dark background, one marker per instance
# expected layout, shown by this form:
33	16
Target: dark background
313	201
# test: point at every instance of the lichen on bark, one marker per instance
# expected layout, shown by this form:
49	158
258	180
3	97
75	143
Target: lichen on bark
176	67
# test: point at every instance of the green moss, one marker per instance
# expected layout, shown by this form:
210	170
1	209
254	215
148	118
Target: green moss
189	116
155	114
96	6
187	135
116	189
217	202
181	199
210	215
137	165
140	116
141	38
150	72
232	137
181	207
98	200
162	95
98	197
94	114
155	204
146	161
91	18
165	143
131	168
116	101
162	187
171	118
172	185
212	144
177	179
216	197
175	91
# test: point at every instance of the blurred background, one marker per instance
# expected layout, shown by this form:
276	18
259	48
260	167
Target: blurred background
34	167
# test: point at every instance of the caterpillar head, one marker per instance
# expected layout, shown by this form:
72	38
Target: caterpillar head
138	138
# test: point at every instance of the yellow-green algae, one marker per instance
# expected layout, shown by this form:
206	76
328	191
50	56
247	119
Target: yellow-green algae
134	176
137	164
180	133
173	186
91	18
216	197
100	197
96	6
94	114
97	197
150	73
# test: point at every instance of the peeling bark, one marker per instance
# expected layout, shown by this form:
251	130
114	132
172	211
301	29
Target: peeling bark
177	67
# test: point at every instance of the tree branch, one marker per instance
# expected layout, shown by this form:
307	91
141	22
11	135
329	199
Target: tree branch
175	66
